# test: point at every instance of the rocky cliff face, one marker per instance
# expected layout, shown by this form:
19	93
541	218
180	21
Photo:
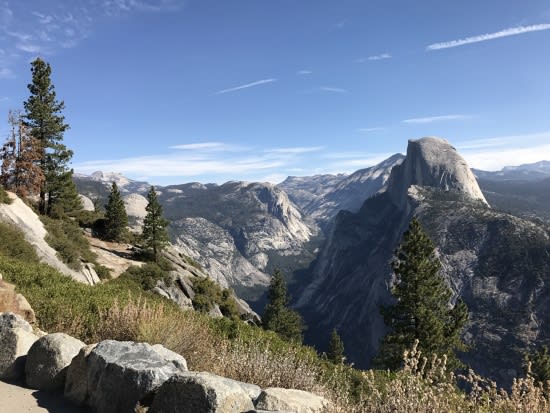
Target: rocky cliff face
24	218
238	231
496	262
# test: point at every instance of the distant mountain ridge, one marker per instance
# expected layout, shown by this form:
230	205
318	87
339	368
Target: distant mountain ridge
526	172
340	192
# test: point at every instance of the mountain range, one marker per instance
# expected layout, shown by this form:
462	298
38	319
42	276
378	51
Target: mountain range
334	235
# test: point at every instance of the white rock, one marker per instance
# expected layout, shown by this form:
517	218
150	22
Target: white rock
298	401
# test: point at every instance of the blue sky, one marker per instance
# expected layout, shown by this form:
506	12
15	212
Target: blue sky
175	91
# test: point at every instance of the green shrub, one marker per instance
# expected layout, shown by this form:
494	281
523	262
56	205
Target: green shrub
191	261
4	197
103	272
146	276
87	219
66	237
208	294
14	245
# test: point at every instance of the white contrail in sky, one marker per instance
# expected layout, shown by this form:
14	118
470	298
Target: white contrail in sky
257	83
513	31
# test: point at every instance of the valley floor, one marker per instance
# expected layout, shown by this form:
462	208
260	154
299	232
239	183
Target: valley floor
17	399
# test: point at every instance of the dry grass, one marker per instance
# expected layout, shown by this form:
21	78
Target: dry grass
426	386
423	386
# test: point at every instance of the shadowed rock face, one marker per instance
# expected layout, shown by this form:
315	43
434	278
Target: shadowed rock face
496	262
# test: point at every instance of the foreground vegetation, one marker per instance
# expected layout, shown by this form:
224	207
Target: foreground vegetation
121	309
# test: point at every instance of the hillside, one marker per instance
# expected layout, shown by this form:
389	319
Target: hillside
486	255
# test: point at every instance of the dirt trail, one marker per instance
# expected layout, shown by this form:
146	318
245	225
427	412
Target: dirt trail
16	399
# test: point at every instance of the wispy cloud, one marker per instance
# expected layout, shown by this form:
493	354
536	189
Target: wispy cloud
497	152
374	58
304	72
369	130
513	31
343	164
431	119
208	162
6	73
38	27
200	146
296	150
332	89
117	6
245	86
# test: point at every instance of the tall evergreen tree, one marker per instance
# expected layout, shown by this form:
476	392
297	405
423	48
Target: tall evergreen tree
335	352
20	155
278	317
116	219
155	234
46	124
422	310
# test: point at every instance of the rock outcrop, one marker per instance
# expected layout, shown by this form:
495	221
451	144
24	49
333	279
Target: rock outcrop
10	301
48	360
87	203
498	264
23	217
16	338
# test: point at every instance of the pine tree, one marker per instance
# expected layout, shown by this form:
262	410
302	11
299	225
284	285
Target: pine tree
278	317
335	352
116	219
422	310
20	171
539	363
46	124
155	235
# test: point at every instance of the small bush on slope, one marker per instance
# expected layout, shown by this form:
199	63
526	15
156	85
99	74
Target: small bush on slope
65	236
208	294
4	197
13	244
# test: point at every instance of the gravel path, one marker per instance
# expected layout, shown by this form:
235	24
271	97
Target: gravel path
16	399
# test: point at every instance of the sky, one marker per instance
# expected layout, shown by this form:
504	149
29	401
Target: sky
173	91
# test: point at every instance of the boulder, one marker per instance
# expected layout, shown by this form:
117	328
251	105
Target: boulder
135	370
25	309
299	401
76	382
48	361
16	338
10	301
269	411
87	203
201	392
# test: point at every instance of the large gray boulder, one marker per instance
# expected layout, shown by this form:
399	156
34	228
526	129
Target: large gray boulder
76	382
48	361
201	393
299	401
16	338
120	374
